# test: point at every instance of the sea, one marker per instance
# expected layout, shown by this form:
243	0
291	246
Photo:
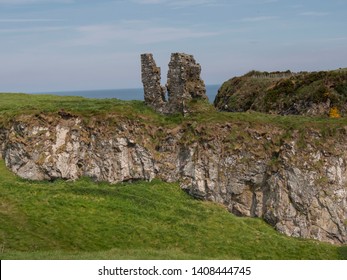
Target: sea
123	94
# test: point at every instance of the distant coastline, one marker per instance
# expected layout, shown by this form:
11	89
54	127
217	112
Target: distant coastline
123	94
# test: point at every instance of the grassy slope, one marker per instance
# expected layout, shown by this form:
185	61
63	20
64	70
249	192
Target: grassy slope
85	220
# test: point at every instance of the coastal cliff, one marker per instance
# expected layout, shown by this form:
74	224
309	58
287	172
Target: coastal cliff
290	172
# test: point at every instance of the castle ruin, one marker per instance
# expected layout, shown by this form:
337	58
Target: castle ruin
183	83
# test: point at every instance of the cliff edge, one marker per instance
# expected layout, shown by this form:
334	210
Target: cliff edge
291	172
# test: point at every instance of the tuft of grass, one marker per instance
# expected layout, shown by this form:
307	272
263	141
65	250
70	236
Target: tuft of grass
142	220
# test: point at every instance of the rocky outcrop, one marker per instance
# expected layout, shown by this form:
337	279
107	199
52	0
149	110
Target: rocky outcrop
296	182
306	93
183	84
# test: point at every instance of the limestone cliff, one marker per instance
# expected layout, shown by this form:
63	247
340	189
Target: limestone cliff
295	181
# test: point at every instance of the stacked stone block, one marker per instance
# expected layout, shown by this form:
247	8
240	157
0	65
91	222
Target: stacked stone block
183	83
154	93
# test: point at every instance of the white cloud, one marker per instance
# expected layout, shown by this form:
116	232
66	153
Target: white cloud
185	3
31	25
24	2
337	39
296	6
150	1
179	3
32	29
139	32
27	20
257	19
314	13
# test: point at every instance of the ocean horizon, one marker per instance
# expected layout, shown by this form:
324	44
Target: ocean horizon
122	94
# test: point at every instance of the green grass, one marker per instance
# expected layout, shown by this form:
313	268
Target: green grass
13	105
156	220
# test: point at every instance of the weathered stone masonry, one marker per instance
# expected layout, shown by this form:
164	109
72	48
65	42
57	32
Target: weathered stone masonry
154	92
183	83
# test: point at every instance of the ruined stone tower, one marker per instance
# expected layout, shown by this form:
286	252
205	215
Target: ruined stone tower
183	83
154	92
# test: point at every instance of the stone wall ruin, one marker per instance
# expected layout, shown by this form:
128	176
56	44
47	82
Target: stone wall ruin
183	83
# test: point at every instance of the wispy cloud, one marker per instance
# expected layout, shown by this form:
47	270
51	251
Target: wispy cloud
139	32
337	39
27	20
130	31
314	14
16	26
296	6
18	2
31	30
149	1
186	3
257	19
180	3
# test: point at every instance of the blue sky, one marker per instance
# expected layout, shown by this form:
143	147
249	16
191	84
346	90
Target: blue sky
55	45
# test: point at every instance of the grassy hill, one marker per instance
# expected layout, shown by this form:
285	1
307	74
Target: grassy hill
156	220
87	220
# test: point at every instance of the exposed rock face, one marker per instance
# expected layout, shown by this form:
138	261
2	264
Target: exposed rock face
3	137
294	196
183	85
68	150
298	186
